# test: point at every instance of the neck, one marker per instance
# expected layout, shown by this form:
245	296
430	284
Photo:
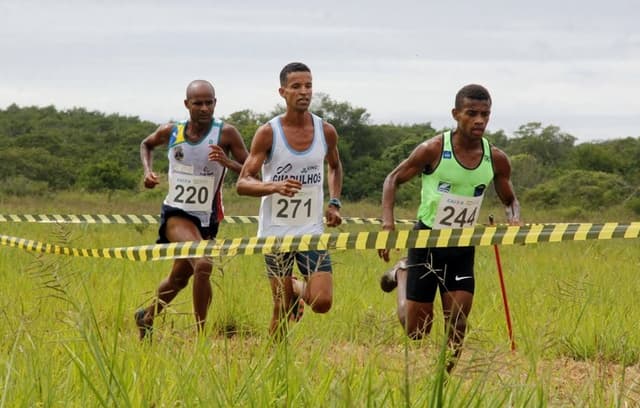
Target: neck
459	138
295	117
197	126
196	130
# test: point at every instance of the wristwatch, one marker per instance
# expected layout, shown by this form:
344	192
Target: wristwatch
335	202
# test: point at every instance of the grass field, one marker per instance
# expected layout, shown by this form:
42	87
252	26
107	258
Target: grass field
68	336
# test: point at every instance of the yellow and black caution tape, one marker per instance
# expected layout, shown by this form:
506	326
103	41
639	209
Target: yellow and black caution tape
81	218
477	236
147	219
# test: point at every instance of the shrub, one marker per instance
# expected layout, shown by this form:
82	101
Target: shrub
21	186
634	205
590	190
107	175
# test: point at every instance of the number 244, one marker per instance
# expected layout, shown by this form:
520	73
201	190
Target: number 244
461	218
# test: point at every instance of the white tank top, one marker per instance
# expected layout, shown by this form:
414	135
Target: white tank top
194	181
302	213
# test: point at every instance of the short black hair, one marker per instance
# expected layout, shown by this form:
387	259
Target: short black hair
472	91
292	67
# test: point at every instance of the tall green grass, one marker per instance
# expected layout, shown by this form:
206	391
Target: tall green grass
68	337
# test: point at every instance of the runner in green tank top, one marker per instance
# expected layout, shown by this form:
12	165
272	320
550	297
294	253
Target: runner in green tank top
456	169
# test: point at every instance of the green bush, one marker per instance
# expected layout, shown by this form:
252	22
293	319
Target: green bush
590	190
526	172
634	205
107	175
22	187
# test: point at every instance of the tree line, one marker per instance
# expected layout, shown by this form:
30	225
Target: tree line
43	149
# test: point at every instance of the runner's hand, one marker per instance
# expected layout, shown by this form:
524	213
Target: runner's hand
288	187
217	154
333	216
386	226
151	180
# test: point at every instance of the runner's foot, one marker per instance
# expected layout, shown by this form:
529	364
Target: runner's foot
388	280
144	329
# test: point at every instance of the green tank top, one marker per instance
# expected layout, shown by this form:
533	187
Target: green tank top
463	189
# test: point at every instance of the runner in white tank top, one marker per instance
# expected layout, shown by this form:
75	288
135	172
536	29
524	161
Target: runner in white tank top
192	209
290	151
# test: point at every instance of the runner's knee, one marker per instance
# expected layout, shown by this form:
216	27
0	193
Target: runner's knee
322	304
202	269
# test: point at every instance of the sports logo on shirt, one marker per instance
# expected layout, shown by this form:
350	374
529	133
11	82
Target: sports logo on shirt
310	169
178	154
446	154
444	187
284	169
479	190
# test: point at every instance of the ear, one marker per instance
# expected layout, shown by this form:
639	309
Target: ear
281	91
186	103
454	113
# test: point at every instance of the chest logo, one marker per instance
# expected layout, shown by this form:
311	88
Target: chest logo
479	190
284	169
178	154
444	187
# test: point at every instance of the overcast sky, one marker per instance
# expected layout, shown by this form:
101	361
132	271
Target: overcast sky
573	64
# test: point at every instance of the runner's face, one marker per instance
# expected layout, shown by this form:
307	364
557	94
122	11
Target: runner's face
201	104
298	90
472	117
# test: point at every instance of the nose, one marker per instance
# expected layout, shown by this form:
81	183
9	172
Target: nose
480	120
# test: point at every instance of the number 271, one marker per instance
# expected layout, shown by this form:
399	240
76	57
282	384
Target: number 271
295	205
